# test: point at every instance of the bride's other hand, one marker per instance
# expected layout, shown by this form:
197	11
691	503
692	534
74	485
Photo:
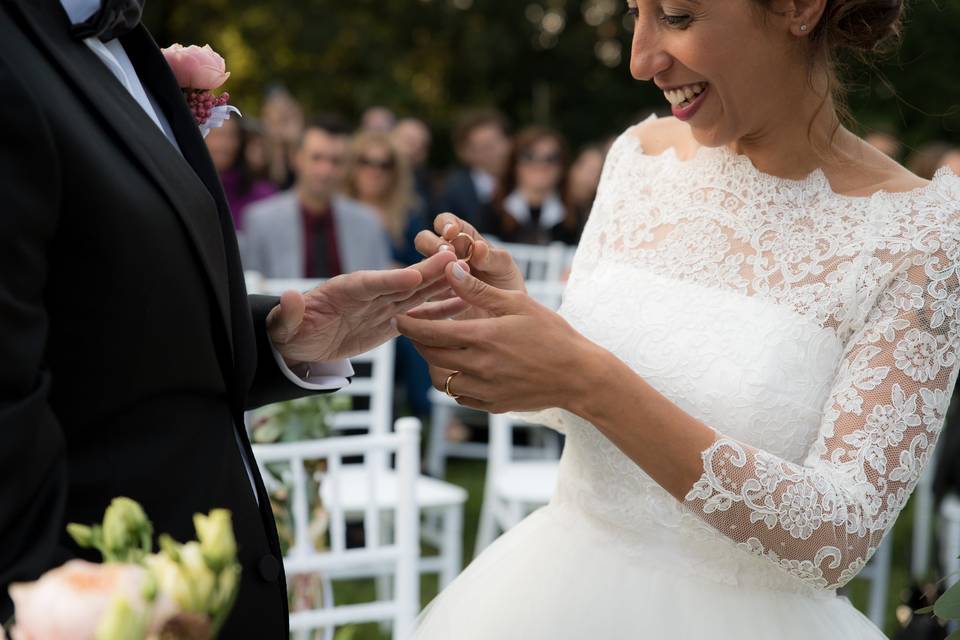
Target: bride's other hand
522	357
488	263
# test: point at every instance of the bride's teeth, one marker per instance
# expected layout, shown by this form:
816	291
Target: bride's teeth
684	94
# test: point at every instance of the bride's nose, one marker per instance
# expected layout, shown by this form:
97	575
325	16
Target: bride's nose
647	55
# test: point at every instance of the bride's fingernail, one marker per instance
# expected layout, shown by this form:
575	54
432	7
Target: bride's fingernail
393	323
444	247
446	228
458	272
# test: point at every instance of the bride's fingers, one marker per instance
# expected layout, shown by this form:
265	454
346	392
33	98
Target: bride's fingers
428	243
488	259
441	310
447	226
462	384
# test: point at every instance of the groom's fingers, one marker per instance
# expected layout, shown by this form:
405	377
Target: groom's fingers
285	319
432	268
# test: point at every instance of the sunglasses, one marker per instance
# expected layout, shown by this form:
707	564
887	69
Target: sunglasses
382	165
532	158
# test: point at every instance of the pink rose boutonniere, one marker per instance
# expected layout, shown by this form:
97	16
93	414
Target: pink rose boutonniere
200	70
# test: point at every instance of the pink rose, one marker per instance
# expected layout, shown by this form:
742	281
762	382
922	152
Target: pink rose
70	601
196	67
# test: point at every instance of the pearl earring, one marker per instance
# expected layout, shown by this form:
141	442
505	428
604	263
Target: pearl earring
803	27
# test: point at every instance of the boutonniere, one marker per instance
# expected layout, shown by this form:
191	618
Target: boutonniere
200	70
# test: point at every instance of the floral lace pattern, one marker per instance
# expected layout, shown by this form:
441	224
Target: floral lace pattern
849	352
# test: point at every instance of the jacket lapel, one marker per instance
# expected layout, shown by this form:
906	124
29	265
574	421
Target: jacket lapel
187	191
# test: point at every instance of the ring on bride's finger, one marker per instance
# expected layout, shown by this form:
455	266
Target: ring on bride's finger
446	385
469	246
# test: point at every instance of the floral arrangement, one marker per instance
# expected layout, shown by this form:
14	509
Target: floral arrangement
183	592
200	70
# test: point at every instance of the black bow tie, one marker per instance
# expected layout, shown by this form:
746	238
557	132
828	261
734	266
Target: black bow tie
114	19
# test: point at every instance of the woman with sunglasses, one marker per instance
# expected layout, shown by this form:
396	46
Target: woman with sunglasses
528	207
380	178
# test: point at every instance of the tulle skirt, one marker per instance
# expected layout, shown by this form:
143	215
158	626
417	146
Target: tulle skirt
552	577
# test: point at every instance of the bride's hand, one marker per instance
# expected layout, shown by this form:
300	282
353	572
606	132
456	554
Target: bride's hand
489	264
522	357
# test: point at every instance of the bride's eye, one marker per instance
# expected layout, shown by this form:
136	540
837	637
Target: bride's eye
677	21
633	11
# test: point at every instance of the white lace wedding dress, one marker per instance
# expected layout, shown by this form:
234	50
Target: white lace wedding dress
818	334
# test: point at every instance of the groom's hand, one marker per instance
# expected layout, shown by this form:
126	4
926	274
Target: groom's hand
351	314
522	357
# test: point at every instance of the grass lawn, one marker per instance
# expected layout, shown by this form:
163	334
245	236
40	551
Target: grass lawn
469	475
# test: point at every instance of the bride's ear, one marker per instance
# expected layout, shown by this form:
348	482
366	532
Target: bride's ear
801	17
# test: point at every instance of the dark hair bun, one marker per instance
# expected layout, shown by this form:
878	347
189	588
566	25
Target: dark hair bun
861	25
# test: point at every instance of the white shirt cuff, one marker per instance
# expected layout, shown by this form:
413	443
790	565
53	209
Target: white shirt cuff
317	376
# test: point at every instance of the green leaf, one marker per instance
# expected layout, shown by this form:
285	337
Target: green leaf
948	606
954	636
924	611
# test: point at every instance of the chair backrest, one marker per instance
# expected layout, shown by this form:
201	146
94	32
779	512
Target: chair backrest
374	381
287	463
538	263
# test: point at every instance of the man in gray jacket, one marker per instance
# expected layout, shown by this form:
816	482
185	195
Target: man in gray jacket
310	231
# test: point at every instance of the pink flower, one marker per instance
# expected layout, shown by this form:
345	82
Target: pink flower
69	602
196	67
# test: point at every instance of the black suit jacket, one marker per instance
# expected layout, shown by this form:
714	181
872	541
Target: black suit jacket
128	346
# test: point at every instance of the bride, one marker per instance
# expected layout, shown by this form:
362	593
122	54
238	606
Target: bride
752	362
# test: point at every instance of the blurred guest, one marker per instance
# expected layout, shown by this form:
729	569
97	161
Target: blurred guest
951	160
413	139
379	177
927	159
283	124
228	148
582	182
311	231
481	142
529	205
379	119
885	142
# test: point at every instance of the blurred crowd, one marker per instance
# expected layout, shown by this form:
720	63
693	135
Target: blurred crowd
313	197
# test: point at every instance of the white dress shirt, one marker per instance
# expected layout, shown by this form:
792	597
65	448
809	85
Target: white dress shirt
319	376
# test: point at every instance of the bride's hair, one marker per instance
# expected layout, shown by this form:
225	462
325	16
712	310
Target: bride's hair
863	28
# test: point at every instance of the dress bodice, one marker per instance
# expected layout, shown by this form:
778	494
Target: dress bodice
817	334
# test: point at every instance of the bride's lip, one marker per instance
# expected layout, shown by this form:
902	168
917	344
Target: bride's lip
687	112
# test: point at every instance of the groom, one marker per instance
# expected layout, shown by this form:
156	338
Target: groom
129	349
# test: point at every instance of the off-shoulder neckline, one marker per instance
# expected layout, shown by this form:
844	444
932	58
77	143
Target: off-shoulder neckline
815	181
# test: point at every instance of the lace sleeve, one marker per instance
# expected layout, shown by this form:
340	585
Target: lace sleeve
823	519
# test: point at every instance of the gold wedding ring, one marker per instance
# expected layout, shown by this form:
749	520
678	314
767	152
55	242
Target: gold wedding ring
469	246
446	386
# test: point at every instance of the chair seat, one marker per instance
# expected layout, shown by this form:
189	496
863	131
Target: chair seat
354	490
530	481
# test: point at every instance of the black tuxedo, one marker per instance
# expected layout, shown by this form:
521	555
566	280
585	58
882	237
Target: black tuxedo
129	346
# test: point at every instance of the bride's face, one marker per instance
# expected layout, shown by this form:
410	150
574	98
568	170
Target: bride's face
727	69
